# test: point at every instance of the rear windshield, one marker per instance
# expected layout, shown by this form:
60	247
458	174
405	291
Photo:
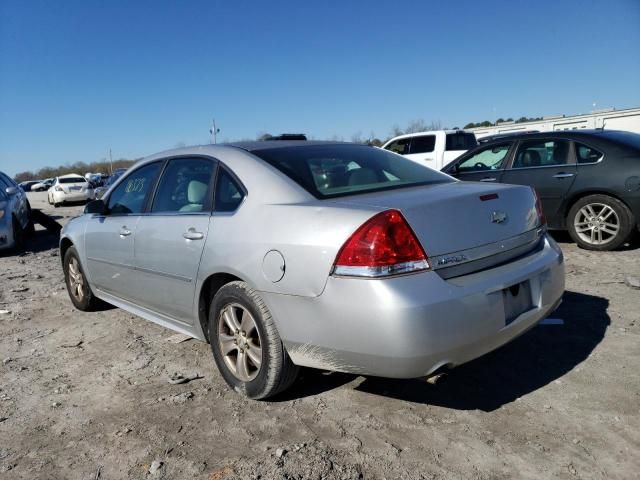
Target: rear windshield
461	141
328	171
71	180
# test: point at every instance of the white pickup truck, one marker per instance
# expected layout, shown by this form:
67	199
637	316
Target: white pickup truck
434	149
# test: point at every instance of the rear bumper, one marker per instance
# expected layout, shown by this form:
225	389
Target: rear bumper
410	326
59	197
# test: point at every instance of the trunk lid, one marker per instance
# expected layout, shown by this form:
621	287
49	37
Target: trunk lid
452	217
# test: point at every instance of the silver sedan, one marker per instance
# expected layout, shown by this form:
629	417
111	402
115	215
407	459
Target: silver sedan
334	256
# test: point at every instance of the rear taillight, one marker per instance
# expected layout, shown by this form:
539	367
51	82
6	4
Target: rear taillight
384	245
541	218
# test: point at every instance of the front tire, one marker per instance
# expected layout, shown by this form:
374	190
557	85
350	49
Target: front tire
246	345
77	285
600	222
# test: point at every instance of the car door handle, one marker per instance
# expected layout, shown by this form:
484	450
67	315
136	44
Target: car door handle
563	175
125	232
488	179
191	234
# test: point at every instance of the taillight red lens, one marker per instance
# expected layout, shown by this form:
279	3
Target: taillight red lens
541	218
384	245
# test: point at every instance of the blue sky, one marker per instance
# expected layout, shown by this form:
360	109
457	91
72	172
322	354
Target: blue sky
80	77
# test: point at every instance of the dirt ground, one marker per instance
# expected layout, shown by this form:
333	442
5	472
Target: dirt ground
86	395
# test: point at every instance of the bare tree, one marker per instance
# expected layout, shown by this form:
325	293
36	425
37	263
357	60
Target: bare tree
357	137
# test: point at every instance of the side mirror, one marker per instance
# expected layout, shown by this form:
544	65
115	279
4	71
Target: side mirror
97	207
11	191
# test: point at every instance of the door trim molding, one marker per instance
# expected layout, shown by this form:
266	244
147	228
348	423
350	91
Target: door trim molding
144	270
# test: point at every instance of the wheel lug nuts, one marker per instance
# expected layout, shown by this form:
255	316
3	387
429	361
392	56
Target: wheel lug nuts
244	334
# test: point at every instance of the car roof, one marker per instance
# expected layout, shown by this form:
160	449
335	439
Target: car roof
271	144
428	132
570	134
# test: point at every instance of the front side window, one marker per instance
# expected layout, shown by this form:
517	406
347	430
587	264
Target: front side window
129	197
586	154
4	184
542	153
489	158
328	171
423	144
400	146
184	186
229	194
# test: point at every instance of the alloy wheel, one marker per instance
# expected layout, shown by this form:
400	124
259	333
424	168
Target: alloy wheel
239	342
76	280
597	223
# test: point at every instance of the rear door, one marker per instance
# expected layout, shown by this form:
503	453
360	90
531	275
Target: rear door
170	238
548	165
422	150
485	165
109	238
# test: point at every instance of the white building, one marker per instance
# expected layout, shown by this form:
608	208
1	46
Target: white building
611	119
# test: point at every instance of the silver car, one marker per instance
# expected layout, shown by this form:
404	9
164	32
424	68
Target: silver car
15	214
334	256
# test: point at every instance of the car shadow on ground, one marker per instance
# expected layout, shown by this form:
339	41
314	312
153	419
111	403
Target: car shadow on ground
542	355
563	237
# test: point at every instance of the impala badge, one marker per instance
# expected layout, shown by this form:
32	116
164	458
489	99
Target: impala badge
498	217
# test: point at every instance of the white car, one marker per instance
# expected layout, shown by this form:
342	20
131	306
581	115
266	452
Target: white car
434	149
42	185
70	188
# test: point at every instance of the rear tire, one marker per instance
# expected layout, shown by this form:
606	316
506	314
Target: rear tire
77	285
600	222
255	364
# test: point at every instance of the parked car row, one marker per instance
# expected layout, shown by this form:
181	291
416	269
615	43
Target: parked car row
335	256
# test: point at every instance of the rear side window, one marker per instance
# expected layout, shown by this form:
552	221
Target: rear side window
586	154
229	194
423	144
184	186
461	141
328	171
399	146
130	195
541	153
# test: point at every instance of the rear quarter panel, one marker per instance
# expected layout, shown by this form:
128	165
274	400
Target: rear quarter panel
308	236
617	174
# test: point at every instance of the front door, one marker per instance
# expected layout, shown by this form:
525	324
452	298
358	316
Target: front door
170	239
109	238
547	166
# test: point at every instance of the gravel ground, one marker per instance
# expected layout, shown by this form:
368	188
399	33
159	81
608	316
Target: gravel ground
86	395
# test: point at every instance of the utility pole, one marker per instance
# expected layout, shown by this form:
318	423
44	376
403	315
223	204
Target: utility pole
111	161
214	131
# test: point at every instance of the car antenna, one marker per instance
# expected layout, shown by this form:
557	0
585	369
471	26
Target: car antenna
603	123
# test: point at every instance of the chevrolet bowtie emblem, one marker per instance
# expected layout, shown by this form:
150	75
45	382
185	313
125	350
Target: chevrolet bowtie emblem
498	217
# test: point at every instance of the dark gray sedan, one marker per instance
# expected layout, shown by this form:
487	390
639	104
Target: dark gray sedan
588	180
